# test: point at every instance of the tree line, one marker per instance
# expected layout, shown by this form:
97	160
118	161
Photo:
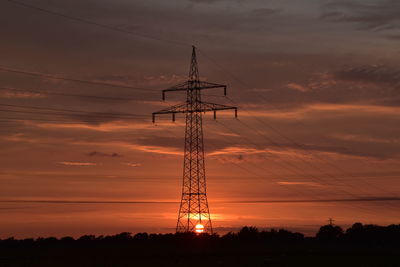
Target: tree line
357	233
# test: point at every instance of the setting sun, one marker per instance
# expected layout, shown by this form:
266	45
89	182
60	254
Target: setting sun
199	228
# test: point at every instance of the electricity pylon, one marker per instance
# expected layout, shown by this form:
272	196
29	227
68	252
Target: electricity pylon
194	214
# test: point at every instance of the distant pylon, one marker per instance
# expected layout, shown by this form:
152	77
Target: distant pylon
194	214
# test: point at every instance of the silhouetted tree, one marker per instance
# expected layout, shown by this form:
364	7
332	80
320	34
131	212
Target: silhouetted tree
67	239
248	233
87	238
141	237
329	233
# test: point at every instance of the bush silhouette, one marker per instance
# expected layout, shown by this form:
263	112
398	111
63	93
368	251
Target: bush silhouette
329	233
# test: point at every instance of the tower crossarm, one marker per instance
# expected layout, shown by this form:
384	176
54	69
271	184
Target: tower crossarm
183	108
207	106
179	108
193	85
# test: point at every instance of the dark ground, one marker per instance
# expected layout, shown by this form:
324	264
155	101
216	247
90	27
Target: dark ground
358	246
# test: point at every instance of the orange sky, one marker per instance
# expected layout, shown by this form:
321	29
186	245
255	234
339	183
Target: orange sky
318	136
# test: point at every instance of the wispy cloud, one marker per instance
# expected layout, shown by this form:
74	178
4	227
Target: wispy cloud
166	80
265	11
313	184
372	16
132	164
298	87
366	138
138	147
227	134
11	94
309	109
206	1
377	74
102	154
109	126
75	163
237	150
243	201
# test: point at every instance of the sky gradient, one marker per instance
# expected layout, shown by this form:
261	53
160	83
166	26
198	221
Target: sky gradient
316	82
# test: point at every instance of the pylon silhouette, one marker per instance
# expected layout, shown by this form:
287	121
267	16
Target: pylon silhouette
194	214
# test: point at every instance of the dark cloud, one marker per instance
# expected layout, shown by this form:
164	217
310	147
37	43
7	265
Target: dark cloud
206	1
378	16
96	118
265	11
376	83
393	36
376	74
102	154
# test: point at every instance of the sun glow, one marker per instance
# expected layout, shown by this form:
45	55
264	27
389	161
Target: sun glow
199	228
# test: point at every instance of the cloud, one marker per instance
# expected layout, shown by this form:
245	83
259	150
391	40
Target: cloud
372	16
328	110
360	199
11	94
376	74
131	164
265	11
223	133
101	127
74	163
395	37
163	150
237	150
244	201
165	80
297	87
102	154
313	184
366	138
206	1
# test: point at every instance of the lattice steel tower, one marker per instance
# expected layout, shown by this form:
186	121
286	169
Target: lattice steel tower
194	215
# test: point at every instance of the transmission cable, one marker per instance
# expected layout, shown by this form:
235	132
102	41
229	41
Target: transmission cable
93	23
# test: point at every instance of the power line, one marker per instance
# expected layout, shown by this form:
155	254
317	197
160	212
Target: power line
308	191
69	95
52	76
303	148
280	133
261	167
312	177
62	121
298	157
288	165
65	120
305	192
128	98
93	23
74	111
87	115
